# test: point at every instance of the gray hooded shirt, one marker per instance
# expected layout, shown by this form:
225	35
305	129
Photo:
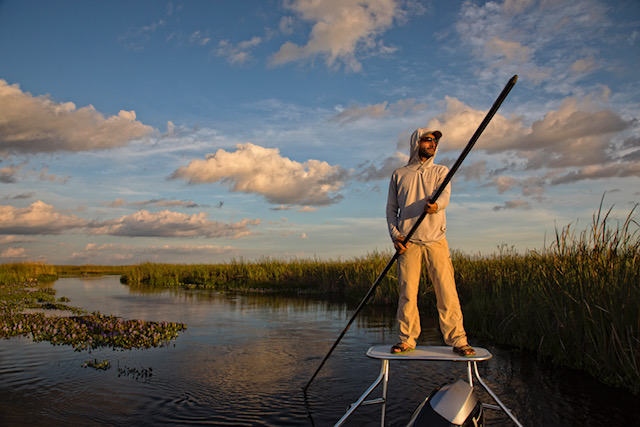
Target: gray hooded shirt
410	188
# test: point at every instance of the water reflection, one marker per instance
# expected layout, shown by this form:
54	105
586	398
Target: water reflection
244	360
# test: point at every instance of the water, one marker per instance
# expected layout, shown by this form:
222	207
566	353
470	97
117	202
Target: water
244	360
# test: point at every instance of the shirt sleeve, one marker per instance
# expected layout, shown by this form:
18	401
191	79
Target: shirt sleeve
392	208
443	200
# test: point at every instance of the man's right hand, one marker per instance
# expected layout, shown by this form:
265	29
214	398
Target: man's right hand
400	245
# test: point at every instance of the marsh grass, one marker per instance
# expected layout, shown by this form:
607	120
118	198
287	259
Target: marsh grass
348	280
27	272
577	302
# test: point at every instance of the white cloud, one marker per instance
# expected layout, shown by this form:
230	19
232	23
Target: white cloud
259	170
340	27
38	218
33	124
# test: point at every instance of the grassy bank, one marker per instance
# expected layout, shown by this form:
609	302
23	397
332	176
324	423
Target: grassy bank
345	280
27	272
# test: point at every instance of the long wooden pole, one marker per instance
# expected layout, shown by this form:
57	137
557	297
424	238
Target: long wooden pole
432	199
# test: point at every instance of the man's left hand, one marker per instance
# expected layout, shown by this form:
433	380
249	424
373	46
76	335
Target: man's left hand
431	208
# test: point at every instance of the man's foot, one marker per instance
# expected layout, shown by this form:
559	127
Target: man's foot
465	350
401	348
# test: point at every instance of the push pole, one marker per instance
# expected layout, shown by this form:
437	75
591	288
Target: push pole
432	199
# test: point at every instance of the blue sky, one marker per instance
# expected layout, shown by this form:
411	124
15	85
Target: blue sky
207	131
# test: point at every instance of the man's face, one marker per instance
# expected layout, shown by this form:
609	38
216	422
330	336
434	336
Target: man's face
427	146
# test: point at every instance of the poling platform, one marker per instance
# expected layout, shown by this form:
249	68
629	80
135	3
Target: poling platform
423	353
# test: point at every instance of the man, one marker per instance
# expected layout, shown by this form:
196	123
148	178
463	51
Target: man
409	191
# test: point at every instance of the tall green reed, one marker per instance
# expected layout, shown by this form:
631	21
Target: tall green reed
26	272
577	302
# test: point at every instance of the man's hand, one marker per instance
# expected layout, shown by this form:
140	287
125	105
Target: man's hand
400	245
431	208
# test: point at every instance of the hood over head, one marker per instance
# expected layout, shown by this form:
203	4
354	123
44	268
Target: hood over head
415	140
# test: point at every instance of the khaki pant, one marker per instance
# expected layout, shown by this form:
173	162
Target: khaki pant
440	270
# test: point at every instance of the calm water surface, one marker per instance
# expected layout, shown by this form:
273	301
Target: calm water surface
244	360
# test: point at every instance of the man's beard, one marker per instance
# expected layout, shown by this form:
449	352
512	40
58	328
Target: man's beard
424	153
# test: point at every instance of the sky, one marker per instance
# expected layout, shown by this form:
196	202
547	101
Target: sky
212	131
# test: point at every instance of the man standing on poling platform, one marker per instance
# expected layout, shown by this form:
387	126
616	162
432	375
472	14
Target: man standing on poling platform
410	188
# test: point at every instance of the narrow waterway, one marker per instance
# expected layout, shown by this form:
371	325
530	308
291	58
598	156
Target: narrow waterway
244	360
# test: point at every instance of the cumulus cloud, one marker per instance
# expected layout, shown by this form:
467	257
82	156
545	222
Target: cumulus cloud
340	27
38	218
170	224
575	134
34	124
459	122
257	170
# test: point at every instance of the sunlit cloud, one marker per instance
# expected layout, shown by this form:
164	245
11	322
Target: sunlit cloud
340	28
34	124
258	170
37	218
580	140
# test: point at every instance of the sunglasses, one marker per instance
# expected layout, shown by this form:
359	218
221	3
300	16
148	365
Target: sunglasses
428	139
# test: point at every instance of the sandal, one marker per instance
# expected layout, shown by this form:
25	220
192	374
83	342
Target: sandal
465	350
401	348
